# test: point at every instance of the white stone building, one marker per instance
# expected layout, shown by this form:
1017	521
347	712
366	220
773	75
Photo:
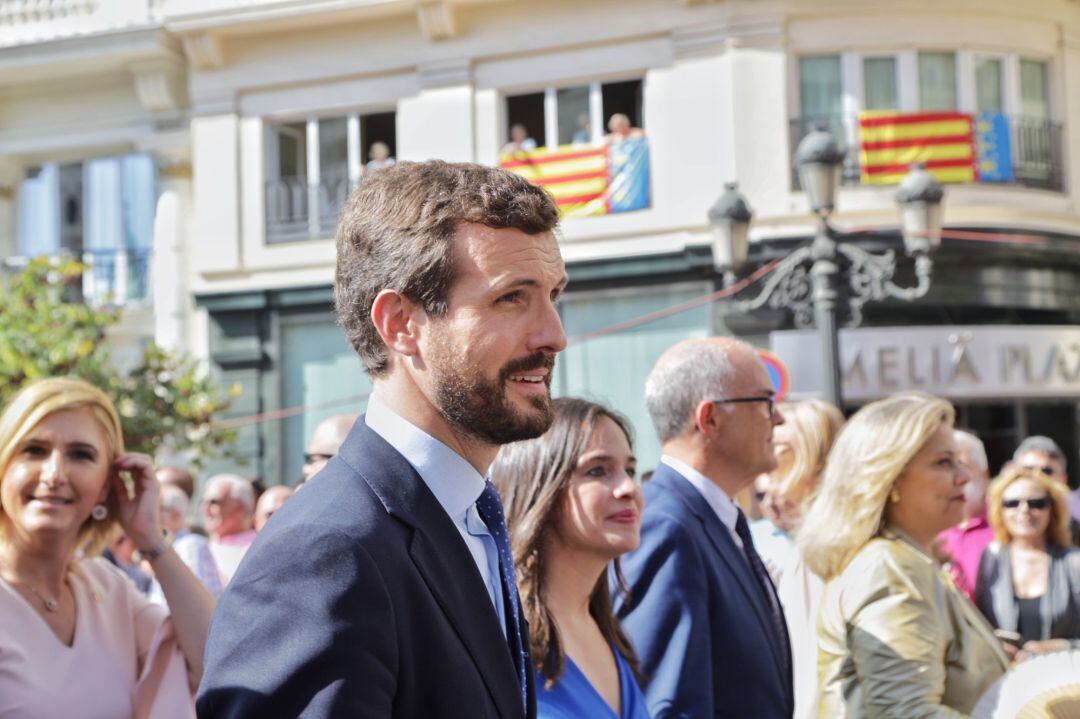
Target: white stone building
277	104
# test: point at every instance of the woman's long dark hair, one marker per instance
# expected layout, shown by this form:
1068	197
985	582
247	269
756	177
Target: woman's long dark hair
532	478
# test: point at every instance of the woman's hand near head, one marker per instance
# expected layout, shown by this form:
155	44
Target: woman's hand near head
139	513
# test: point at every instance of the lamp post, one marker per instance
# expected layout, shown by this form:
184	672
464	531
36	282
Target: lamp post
815	279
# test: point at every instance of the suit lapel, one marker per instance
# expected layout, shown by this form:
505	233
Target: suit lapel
442	559
727	550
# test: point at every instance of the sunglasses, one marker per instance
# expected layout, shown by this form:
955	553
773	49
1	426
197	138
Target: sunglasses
1035	503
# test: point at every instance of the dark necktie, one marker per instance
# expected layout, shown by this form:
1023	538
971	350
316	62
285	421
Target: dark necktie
489	506
767	590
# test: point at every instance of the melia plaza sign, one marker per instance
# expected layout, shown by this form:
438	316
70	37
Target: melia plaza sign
969	362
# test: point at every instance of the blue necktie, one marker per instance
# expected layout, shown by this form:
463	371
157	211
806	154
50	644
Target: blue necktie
768	591
490	508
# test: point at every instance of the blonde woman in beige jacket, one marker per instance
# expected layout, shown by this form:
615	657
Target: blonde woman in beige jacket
896	638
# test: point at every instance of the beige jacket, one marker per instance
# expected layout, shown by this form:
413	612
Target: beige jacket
897	639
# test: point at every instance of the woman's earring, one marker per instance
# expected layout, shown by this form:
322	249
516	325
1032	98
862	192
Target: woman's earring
99	512
894	496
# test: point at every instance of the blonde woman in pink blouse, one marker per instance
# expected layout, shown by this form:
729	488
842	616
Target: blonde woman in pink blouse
78	639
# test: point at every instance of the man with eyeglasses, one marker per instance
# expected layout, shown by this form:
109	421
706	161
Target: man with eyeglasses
702	611
324	443
1043	454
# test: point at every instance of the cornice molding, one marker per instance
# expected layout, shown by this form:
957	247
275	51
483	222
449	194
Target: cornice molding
436	18
204	51
717	38
160	84
445	74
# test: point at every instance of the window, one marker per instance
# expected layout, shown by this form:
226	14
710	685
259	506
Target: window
879	84
937	81
100	211
570	115
1034	96
1038	142
820	89
989	95
315	163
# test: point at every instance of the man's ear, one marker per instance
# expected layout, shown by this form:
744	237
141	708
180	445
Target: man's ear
395	319
708	417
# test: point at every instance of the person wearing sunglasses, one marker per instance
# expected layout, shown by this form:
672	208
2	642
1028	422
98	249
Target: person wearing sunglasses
1029	580
1042	454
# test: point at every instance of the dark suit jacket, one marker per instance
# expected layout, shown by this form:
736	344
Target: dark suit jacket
360	599
1059	608
695	614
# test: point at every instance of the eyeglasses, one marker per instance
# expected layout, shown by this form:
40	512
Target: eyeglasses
1045	469
1032	503
739	400
313	457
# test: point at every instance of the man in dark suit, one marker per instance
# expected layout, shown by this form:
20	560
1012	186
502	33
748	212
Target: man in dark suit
385	588
702	611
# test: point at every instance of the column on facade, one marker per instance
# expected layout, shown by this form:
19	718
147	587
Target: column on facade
438	122
1070	81
9	182
169	269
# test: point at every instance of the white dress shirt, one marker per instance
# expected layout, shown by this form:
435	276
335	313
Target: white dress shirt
455	483
715	497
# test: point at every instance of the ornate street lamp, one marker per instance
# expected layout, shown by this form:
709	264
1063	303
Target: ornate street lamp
919	198
730	220
820	161
809	280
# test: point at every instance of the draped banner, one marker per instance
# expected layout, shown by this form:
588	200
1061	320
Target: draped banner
586	180
890	142
994	146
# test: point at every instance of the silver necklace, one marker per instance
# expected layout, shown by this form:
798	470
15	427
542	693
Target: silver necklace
51	605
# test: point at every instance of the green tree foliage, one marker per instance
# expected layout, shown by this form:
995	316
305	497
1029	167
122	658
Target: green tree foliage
164	402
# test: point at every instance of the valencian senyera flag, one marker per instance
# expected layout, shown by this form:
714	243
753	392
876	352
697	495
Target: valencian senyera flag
890	142
588	180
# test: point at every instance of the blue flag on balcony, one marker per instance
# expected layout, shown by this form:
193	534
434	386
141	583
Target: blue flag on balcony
629	187
993	147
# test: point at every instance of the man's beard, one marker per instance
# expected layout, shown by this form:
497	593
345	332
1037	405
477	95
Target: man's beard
479	407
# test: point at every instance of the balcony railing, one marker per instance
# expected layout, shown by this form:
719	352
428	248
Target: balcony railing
1036	147
111	278
118	278
289	201
23	21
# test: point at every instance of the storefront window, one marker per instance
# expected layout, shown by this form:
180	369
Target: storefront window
317	367
612	368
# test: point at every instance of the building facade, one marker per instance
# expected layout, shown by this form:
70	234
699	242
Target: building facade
279	106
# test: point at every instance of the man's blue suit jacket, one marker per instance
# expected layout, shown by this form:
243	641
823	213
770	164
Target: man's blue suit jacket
695	614
360	599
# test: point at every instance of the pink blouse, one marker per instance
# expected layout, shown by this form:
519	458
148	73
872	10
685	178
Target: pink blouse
123	662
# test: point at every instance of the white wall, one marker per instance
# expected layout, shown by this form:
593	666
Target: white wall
719	89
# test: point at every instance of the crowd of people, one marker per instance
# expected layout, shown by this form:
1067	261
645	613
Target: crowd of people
620	128
471	547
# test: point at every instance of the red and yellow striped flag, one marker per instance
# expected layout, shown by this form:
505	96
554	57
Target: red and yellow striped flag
577	177
890	143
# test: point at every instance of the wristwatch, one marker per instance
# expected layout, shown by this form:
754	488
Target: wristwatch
153	552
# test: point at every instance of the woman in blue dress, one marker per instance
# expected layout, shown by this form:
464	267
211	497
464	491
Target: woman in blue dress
573	506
